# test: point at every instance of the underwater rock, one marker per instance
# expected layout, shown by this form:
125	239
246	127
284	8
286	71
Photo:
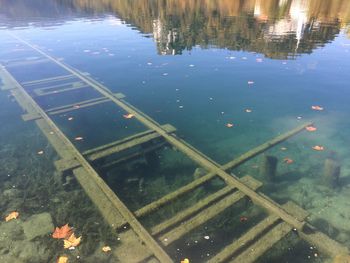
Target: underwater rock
331	173
29	252
11	230
38	225
11	193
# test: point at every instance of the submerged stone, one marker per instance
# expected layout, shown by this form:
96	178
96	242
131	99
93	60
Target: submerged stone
38	225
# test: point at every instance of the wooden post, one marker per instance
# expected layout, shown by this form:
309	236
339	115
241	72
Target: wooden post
331	173
268	167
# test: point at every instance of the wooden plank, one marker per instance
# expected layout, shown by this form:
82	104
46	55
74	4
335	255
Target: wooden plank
64	165
263	244
128	157
184	214
268	240
61	90
244	240
48	80
90	176
30	116
124	144
207	214
27	62
43	90
76	106
119	95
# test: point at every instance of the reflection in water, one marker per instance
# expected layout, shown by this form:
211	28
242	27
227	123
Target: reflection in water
277	28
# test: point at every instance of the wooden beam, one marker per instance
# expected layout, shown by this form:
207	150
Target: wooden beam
253	252
64	165
30	116
184	214
124	144
263	244
69	87
27	62
47	80
207	214
76	106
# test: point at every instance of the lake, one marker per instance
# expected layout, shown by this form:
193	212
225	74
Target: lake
136	122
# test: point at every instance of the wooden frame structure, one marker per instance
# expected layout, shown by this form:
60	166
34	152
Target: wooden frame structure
259	239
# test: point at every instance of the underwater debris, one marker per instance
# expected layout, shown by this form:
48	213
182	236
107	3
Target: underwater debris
72	242
250	82
11	216
129	116
40	152
106	249
70	118
62	232
243	219
229	125
318	148
79	138
248	110
317	108
62	259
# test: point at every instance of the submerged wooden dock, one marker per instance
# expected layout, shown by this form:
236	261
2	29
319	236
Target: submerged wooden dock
141	244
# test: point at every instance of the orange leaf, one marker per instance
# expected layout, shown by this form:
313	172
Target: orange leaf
288	160
72	241
318	148
128	116
12	215
311	128
62	232
319	108
106	249
62	259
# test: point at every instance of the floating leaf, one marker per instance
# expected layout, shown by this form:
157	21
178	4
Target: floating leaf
250	82
288	160
62	232
318	108
229	125
78	138
186	260
41	152
128	116
318	148
72	241
311	128
62	259
106	249
12	215
248	110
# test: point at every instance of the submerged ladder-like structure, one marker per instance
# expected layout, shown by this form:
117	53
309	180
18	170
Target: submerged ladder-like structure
138	243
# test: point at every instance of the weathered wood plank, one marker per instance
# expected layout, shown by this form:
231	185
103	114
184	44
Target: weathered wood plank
207	214
127	143
27	62
30	116
184	214
244	240
263	244
69	87
64	165
47	80
76	106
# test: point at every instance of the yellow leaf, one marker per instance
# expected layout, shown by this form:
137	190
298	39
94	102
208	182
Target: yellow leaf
12	215
72	241
106	249
62	259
